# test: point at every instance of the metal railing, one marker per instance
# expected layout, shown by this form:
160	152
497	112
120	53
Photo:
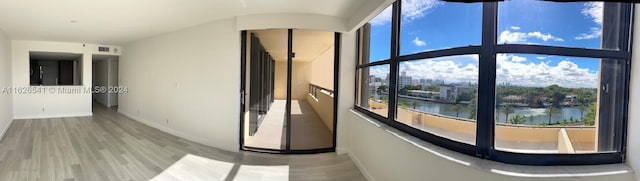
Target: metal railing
314	89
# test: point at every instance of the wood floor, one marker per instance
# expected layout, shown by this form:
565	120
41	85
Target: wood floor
110	146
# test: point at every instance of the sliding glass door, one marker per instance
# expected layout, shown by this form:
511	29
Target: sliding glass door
288	103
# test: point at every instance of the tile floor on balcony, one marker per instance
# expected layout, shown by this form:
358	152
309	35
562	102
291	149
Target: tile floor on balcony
307	129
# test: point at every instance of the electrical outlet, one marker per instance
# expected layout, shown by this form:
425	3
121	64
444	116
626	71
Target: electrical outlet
43	109
167	121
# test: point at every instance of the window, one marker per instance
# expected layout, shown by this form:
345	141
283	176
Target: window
438	96
53	69
428	25
498	82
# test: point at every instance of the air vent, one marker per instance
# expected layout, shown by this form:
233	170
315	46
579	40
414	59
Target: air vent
103	49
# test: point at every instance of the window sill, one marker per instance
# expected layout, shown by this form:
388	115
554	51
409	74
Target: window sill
503	168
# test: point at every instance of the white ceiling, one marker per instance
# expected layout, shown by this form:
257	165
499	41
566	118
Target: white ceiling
117	22
307	44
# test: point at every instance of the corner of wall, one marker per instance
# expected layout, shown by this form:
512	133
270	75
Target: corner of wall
6	99
633	136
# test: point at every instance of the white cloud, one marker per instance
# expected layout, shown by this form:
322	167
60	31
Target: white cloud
566	73
595	33
518	59
411	10
419	42
593	10
515	27
383	18
509	68
507	36
540	57
543	37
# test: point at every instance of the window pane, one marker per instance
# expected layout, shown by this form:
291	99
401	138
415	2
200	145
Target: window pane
550	104
373	89
439	96
376	38
430	25
576	24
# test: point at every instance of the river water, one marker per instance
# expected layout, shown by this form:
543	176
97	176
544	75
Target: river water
539	116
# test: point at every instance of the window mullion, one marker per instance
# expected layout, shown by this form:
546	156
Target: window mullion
393	66
487	80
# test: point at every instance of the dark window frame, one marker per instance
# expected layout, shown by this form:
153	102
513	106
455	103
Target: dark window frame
487	52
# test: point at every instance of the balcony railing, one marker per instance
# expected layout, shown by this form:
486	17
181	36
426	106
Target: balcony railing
314	89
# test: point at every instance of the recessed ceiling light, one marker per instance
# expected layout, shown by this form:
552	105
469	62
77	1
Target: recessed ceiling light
73	21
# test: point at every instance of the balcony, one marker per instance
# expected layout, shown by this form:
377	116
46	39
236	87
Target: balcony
513	137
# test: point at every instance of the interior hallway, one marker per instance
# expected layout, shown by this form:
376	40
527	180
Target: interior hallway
110	146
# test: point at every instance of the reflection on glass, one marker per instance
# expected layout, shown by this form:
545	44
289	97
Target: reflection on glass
373	89
431	25
576	24
547	104
439	96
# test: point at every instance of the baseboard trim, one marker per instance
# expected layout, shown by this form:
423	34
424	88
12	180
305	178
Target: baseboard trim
45	116
172	131
360	166
6	127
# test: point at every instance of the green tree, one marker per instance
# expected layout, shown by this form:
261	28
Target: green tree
434	88
517	119
403	105
414	104
507	110
582	108
473	106
457	108
590	118
464	96
550	111
382	88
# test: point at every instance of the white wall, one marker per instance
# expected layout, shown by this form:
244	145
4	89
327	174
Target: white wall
51	104
300	73
6	102
186	83
633	144
322	69
345	89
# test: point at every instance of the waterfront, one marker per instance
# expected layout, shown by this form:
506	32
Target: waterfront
539	115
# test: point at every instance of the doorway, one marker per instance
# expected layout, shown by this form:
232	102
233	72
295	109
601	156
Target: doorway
105	80
287	91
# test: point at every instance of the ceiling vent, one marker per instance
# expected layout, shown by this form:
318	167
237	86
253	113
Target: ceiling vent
103	49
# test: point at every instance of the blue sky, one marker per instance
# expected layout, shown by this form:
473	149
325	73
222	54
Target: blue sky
431	25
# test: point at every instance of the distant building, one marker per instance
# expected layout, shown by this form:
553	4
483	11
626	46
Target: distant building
448	93
425	94
404	80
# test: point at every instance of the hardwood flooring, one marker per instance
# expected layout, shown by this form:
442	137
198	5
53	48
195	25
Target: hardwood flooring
110	146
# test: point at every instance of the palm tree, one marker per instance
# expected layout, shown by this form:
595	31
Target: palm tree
582	108
414	104
457	108
550	111
507	110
